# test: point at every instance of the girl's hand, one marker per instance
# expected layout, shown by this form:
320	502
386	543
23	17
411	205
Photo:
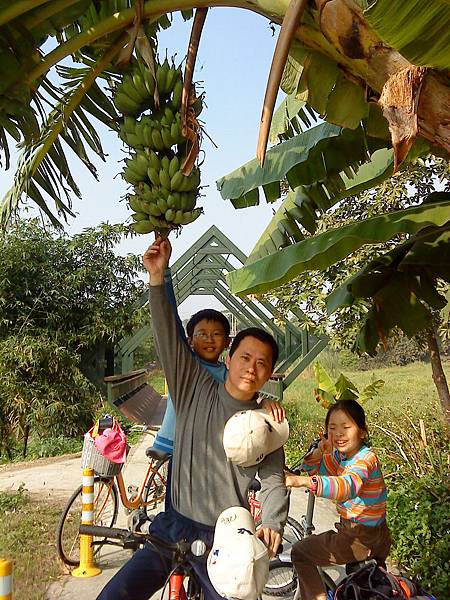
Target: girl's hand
326	444
291	480
277	411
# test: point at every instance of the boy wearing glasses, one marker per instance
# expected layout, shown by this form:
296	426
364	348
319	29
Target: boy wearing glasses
208	334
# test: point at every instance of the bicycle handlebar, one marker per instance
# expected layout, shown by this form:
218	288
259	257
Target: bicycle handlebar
295	469
134	539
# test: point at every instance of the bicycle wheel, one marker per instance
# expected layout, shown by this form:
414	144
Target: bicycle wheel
283	581
105	513
155	488
282	576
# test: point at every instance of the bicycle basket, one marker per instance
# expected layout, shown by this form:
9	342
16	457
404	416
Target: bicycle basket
91	458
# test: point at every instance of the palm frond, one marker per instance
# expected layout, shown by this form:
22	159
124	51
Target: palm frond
43	166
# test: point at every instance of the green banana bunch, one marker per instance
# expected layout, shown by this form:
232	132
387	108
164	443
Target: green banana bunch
162	197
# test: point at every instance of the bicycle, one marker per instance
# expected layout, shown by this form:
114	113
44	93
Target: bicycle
181	552
138	502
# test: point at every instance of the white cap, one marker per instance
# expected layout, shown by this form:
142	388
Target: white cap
238	564
250	435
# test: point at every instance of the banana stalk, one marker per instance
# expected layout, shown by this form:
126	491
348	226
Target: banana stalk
189	124
194	41
289	26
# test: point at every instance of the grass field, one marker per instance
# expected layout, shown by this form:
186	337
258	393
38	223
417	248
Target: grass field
28	538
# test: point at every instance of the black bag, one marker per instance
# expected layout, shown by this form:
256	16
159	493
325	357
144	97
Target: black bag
371	582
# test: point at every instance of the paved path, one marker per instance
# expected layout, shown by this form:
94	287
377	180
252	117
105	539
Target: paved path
57	478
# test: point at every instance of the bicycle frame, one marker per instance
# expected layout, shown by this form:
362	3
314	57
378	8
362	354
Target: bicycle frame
255	507
176	589
134	502
307	520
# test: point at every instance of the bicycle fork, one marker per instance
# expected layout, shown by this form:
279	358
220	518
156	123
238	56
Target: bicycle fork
176	589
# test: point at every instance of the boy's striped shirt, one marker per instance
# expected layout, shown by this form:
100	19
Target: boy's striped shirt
356	484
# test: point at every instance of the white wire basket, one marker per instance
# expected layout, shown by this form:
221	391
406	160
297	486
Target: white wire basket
91	458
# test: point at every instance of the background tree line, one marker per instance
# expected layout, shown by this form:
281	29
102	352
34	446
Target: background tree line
63	302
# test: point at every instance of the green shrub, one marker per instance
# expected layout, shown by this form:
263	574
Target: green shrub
54	446
42	447
419	520
13	501
42	391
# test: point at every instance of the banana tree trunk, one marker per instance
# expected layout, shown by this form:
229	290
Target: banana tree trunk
439	378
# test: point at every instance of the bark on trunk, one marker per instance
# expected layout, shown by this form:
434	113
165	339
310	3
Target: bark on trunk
349	40
26	436
439	378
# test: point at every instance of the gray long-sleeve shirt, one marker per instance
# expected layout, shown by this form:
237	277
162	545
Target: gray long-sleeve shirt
204	482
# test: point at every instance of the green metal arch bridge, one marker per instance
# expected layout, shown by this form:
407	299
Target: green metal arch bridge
202	270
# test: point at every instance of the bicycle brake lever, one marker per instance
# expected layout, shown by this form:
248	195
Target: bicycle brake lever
294	471
130	542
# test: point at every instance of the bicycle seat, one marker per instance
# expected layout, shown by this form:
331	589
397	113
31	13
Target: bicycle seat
254	486
156	454
354	566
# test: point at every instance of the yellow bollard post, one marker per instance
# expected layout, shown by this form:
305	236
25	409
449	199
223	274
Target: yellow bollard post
166	388
5	579
87	566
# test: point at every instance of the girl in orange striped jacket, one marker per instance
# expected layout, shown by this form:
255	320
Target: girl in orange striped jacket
343	468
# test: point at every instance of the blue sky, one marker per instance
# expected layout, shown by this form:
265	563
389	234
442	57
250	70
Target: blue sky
233	63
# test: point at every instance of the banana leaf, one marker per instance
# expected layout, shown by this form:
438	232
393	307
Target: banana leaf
419	30
325	390
290	118
321	251
402	286
314	155
305	204
317	79
370	391
43	166
345	389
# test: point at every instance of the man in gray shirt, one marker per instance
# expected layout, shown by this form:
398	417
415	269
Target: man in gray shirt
204	483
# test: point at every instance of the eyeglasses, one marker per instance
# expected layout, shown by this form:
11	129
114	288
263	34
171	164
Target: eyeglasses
203	336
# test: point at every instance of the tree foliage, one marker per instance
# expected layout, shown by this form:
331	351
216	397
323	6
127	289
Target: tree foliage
76	289
61	299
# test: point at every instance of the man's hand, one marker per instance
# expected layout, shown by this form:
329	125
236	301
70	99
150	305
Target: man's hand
277	411
156	260
271	539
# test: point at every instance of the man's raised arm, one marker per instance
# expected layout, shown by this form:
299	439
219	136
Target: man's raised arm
179	366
